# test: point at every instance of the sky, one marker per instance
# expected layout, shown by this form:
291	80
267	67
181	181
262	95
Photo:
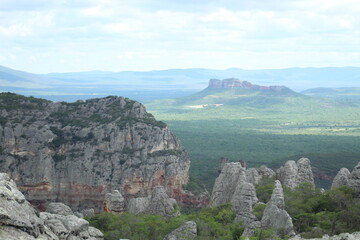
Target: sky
42	36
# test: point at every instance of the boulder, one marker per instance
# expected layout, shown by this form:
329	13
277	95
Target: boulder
187	231
342	236
59	208
275	216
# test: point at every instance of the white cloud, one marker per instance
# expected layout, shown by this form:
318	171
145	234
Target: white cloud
98	11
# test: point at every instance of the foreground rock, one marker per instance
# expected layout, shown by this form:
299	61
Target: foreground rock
158	203
185	232
75	153
20	221
275	216
343	236
292	173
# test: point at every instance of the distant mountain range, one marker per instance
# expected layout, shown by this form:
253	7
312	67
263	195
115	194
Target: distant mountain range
172	83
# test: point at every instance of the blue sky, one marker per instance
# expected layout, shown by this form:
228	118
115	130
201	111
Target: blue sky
44	36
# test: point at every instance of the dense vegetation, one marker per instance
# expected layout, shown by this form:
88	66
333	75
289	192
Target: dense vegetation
314	214
263	130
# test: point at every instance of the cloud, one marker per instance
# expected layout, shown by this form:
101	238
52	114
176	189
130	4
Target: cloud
97	11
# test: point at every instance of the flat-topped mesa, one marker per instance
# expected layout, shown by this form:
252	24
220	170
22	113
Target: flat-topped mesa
237	83
75	153
293	173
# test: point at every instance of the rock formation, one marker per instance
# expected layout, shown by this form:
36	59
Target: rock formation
226	183
275	216
75	153
187	231
222	163
292	173
345	178
158	203
20	221
114	202
343	236
341	178
255	175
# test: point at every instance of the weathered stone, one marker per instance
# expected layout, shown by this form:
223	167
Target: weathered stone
89	212
292	173
59	208
343	236
158	203
341	178
275	216
114	202
226	183
75	153
187	231
19	220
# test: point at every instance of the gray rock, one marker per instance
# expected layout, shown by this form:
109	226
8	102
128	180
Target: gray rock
158	203
114	202
343	236
226	183
341	178
19	220
255	175
275	216
59	208
292	173
187	231
76	153
89	212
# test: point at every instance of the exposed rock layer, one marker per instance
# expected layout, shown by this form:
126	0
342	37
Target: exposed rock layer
77	152
187	231
345	178
292	173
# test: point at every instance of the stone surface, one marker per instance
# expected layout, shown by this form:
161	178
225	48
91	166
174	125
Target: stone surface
344	178
343	236
187	231
292	173
226	183
75	153
341	178
114	202
275	216
158	203
19	220
59	208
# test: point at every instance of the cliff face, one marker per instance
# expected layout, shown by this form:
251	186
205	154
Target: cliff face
77	152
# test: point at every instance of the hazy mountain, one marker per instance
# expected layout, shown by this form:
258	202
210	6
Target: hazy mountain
343	93
173	83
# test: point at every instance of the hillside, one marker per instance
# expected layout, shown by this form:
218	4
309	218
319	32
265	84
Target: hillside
339	93
263	127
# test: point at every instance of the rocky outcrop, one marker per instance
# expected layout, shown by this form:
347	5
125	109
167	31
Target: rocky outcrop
158	203
275	216
343	236
114	202
75	153
20	221
187	231
237	83
341	178
225	184
292	173
255	175
59	208
345	178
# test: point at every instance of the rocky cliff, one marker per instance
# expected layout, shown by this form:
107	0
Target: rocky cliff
293	173
77	152
20	221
